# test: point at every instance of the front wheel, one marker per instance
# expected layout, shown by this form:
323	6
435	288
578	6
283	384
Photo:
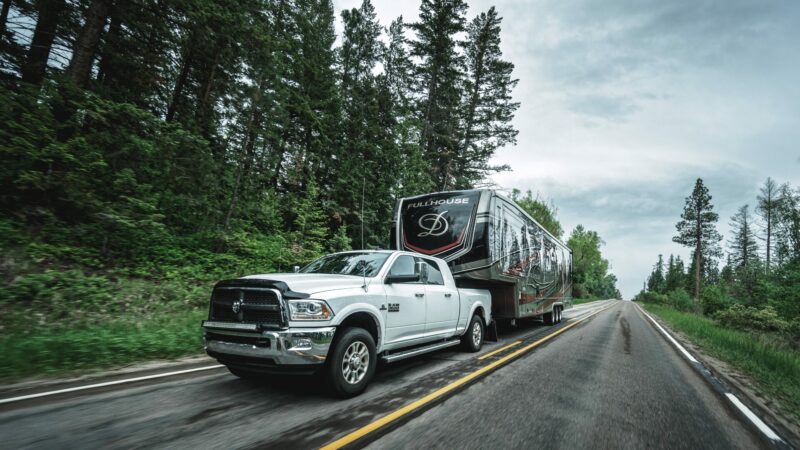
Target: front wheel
351	363
473	338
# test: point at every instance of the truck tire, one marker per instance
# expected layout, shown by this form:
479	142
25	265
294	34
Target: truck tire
559	309
472	340
351	362
550	318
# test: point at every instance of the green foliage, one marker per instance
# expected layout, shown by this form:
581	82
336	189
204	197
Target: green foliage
678	299
774	367
590	277
750	318
206	140
713	299
543	212
697	230
41	351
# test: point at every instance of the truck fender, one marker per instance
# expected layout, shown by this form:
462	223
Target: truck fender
362	308
486	312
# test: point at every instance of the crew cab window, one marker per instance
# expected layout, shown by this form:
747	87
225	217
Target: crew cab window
432	273
404	265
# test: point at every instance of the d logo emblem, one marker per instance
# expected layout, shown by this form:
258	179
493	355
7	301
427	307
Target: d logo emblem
433	224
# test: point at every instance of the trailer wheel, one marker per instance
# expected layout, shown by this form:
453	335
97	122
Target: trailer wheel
550	318
472	340
351	362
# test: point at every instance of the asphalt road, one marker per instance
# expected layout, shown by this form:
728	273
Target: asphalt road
609	382
612	383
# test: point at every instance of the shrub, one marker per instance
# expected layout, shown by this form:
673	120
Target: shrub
651	297
680	300
713	299
749	318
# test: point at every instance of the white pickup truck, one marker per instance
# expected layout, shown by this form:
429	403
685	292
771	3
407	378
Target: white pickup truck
340	314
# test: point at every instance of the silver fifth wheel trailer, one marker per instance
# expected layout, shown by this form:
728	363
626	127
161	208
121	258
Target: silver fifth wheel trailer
490	243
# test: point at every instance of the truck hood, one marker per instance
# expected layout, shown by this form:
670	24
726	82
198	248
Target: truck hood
311	283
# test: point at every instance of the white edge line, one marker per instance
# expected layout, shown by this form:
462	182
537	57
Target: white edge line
108	383
664	332
764	428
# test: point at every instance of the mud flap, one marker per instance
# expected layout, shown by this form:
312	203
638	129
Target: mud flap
491	332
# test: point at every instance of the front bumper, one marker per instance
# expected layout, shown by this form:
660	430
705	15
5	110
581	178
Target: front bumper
242	345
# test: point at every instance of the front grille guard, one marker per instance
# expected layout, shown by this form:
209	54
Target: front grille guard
284	309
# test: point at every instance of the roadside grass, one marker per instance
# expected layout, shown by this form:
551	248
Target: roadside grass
775	369
52	351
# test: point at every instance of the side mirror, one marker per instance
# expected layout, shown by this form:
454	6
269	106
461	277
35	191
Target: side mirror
296	269
402	279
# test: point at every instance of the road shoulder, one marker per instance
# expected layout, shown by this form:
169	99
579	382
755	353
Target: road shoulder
741	385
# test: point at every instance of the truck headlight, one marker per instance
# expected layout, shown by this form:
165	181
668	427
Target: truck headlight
309	310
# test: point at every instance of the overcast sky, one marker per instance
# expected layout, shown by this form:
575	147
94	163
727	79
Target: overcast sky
624	103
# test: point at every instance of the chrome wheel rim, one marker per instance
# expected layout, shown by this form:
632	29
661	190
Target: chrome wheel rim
355	362
476	333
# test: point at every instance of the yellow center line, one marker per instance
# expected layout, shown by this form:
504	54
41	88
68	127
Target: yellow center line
391	417
492	353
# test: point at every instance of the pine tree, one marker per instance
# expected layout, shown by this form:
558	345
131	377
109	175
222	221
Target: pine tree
697	230
743	246
656	282
676	277
787	229
767	207
440	77
414	170
487	109
49	15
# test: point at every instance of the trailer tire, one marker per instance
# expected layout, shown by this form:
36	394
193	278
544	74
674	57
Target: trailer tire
473	337
351	362
550	318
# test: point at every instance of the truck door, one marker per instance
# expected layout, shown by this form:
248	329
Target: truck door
441	298
405	302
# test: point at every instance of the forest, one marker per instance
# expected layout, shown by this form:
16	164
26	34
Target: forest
152	147
757	287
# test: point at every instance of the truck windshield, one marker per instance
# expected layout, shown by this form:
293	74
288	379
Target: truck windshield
356	264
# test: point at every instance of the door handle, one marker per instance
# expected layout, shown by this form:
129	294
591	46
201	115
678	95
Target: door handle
448	295
419	294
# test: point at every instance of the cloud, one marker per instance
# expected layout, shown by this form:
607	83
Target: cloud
624	103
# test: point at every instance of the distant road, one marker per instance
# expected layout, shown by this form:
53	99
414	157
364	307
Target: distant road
607	380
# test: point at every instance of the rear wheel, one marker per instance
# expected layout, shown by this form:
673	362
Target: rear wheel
351	363
550	318
473	338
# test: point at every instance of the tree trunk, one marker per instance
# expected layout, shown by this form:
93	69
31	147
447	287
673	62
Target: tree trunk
698	259
177	91
35	66
105	67
4	15
202	112
83	54
769	235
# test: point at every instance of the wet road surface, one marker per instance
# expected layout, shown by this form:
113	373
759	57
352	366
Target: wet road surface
610	381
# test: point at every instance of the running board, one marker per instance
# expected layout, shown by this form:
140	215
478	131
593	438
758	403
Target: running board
419	351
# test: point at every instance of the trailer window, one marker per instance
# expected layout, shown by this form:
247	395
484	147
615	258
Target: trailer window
432	273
